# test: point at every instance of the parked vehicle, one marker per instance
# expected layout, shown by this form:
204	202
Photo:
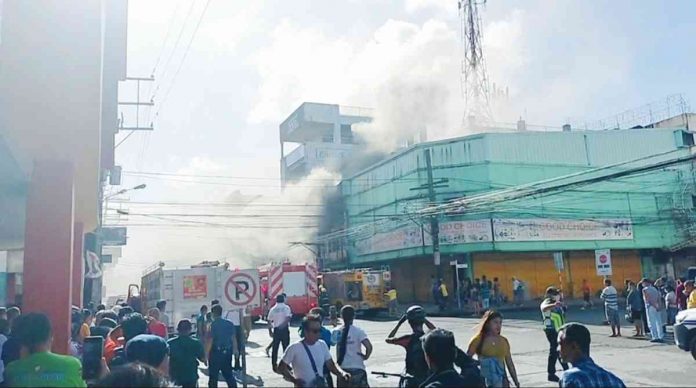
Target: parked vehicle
297	281
184	289
685	331
362	288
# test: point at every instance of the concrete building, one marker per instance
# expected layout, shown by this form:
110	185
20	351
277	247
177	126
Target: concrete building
322	136
60	62
644	219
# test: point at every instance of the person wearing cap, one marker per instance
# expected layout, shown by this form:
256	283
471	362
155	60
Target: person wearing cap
416	365
184	354
553	314
149	349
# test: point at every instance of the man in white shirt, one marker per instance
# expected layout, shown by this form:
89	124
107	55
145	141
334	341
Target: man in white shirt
349	340
308	357
279	327
238	343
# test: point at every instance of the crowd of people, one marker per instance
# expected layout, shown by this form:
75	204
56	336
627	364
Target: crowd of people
651	306
478	295
144	350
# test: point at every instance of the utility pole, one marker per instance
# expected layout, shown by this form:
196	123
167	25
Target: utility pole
434	222
431	185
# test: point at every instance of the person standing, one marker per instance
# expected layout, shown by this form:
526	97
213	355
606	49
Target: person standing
220	357
671	305
493	351
652	299
307	358
203	328
611	307
690	294
184	354
238	341
553	314
476	297
485	292
574	348
635	305
350	341
40	367
416	366
497	296
435	287
279	328
392	301
517	291
440	351
586	295
444	295
155	326
163	317
681	297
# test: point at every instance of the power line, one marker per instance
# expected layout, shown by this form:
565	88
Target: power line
176	44
183	59
166	38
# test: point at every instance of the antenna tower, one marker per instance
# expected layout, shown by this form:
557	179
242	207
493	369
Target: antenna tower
474	80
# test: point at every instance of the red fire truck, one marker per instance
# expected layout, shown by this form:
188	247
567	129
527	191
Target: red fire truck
297	281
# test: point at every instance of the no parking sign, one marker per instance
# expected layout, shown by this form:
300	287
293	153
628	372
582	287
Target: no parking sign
603	262
241	289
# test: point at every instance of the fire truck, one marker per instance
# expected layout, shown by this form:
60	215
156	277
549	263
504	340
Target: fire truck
362	288
297	281
184	289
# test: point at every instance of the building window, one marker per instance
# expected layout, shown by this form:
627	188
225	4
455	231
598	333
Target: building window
327	136
346	134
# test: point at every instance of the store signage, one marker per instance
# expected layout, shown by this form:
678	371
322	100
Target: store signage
541	229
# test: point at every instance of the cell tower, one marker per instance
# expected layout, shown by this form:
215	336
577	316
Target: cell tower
474	80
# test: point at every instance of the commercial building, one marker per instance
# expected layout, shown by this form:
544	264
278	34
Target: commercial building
61	63
322	136
589	200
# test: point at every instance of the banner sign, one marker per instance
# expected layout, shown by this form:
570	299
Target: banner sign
451	232
541	229
195	286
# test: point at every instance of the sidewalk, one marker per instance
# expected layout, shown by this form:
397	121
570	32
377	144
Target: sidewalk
452	310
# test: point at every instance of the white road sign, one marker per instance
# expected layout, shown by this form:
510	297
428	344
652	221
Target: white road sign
603	262
241	289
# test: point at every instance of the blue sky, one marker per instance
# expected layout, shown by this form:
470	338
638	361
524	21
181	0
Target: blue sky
252	63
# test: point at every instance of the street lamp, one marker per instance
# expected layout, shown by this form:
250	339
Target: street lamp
123	191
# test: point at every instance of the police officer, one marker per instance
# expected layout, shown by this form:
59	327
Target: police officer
553	314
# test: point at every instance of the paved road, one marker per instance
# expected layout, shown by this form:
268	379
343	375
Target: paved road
637	362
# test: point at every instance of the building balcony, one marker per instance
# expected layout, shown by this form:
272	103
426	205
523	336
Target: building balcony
317	122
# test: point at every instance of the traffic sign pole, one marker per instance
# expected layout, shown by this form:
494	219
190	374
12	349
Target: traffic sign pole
242	338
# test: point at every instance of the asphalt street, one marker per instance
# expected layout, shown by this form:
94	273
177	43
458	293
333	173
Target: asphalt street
636	361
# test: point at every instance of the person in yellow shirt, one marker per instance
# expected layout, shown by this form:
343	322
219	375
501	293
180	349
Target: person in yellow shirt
444	294
87	318
493	351
690	293
392	301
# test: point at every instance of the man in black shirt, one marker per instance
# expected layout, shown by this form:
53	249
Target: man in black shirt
184	353
440	351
